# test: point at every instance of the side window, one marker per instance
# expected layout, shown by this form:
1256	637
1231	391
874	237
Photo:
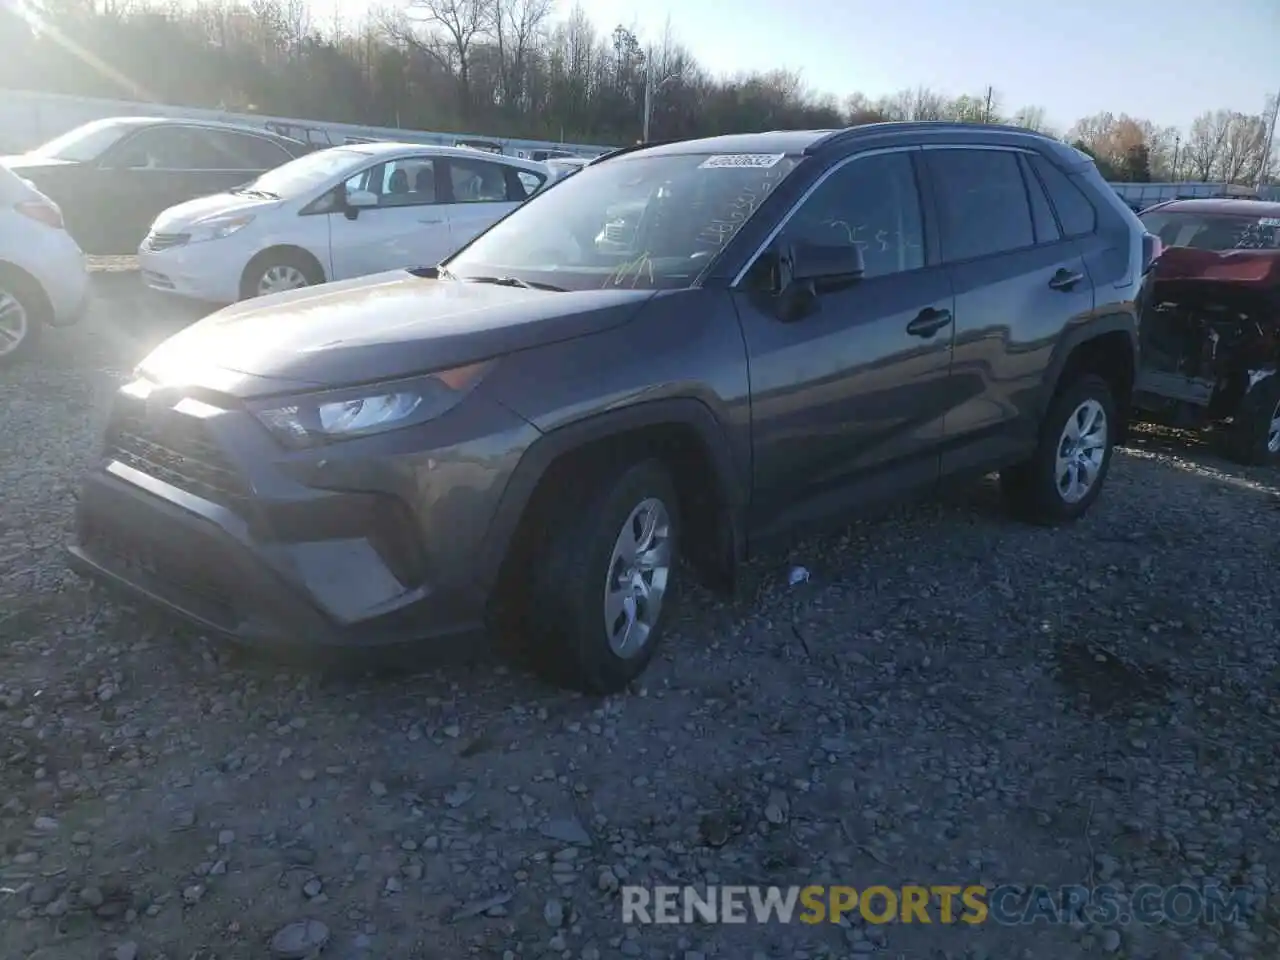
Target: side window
1041	213
1075	212
407	182
982	202
531	183
477	181
872	203
166	148
243	151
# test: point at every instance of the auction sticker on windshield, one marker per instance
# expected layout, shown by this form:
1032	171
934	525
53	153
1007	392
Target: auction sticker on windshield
757	160
1269	222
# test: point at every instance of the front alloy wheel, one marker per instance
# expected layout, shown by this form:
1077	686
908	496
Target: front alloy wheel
281	277
603	577
19	324
637	580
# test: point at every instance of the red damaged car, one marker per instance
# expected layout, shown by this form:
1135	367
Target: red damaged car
1210	338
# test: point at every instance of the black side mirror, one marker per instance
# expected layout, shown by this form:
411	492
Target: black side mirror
807	269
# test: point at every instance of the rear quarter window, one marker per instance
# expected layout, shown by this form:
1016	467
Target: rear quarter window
1075	211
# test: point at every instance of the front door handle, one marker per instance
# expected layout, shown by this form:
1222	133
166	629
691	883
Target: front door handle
1065	280
431	221
928	322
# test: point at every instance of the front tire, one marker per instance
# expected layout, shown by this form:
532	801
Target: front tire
603	580
277	271
1065	475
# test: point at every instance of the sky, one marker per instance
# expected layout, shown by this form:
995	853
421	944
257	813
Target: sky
1163	61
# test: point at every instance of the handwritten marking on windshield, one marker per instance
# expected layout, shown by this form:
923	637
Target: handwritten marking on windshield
719	231
640	267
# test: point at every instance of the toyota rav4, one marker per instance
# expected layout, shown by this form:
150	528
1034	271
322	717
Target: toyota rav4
534	432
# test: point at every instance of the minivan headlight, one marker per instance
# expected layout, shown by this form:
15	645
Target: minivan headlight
317	419
219	227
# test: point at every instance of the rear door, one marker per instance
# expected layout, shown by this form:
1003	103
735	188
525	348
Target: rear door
481	192
236	158
408	228
1018	283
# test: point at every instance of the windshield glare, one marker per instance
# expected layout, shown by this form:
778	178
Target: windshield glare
1214	231
309	172
84	143
638	222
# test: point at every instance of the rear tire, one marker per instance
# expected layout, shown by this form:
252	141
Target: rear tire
603	580
1253	436
276	271
1065	475
23	314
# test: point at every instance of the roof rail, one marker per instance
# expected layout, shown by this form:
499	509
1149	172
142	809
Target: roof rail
839	136
630	148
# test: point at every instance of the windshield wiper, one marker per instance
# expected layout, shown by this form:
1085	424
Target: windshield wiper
253	192
517	282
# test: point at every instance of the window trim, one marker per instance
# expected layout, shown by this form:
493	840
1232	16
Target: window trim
736	284
246	135
937	193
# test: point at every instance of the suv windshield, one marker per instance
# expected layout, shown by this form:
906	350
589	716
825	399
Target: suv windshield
308	172
1213	231
641	222
84	143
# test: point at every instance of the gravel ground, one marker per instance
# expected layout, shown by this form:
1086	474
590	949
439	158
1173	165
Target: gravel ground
952	698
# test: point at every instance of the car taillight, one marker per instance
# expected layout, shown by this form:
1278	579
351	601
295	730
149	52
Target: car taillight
45	213
1151	250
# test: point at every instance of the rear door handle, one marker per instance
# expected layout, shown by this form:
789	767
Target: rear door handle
431	221
1065	279
928	322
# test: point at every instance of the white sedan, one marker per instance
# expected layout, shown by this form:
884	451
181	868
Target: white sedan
332	215
43	279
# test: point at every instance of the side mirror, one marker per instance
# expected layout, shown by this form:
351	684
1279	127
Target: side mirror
356	200
804	270
822	263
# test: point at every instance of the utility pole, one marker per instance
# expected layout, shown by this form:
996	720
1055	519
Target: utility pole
1177	142
986	112
1266	150
648	95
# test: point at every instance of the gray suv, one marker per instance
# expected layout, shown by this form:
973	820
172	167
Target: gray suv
531	435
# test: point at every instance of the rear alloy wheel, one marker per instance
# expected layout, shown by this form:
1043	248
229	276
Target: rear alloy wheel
1253	436
19	324
1066	473
603	580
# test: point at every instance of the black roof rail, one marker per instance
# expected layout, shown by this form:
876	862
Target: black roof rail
630	148
839	136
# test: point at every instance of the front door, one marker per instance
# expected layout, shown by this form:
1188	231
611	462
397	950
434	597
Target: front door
849	402
144	175
1018	284
408	228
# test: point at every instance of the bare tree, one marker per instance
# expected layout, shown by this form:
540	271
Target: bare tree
1240	158
517	25
453	28
1031	118
1203	148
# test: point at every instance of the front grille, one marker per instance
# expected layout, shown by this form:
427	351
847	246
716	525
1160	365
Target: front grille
180	453
163	241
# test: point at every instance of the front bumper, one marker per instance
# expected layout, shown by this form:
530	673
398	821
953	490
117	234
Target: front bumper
232	534
206	272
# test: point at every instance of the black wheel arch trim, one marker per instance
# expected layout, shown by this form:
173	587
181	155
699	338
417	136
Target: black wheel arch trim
551	446
1118	322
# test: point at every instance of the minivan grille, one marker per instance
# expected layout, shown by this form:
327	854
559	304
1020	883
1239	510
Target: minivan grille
181	455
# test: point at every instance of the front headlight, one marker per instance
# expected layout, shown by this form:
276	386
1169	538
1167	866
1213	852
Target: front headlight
219	228
328	417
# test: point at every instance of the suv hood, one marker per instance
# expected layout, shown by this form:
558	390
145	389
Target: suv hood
184	216
390	325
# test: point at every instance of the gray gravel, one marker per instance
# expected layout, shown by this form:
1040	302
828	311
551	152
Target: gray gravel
951	698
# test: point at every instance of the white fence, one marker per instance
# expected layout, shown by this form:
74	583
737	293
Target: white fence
29	118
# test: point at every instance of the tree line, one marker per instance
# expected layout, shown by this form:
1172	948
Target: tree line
513	68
